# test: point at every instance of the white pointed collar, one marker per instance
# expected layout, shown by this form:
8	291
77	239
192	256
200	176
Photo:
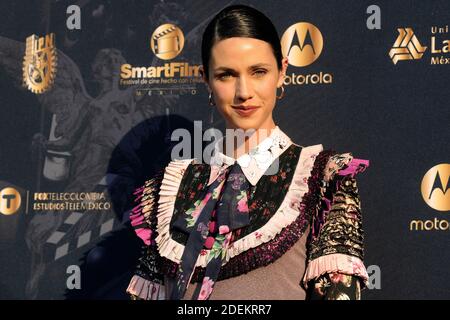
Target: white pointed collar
257	161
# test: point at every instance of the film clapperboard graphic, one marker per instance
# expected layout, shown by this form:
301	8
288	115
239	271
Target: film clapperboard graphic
166	41
82	228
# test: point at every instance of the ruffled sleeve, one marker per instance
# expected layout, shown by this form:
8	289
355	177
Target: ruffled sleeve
335	267
147	282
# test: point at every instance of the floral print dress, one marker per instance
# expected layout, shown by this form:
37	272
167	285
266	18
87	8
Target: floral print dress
279	192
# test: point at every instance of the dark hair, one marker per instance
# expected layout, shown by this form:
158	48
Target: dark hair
239	21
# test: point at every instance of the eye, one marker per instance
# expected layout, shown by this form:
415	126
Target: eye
260	72
224	75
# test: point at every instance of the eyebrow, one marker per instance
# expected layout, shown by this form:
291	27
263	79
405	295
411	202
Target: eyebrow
255	66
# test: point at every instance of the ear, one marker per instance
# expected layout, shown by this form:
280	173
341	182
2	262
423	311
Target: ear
282	74
202	72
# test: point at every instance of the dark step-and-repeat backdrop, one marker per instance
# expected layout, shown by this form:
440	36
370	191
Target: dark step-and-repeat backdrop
90	92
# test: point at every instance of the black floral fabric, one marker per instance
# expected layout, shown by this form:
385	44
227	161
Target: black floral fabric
335	286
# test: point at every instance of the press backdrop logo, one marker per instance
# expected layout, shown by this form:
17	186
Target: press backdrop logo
39	64
436	194
440	45
303	43
167	41
435	185
172	77
10	201
407	46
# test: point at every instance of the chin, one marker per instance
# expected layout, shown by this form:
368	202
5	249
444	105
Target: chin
247	124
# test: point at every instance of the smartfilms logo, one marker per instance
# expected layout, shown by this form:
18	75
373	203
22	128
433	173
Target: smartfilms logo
408	47
10	201
39	63
435	192
303	43
166	43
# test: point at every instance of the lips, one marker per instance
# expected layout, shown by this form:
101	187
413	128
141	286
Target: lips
245	111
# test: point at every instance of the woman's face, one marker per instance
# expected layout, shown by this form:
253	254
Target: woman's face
244	77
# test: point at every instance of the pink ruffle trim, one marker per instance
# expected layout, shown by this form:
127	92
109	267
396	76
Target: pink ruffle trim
336	262
145	289
137	218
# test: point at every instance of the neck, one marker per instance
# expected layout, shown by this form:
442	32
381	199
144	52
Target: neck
239	142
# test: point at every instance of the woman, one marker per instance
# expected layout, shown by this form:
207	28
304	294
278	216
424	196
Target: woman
274	221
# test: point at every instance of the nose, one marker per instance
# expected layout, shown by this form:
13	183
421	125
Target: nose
244	89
